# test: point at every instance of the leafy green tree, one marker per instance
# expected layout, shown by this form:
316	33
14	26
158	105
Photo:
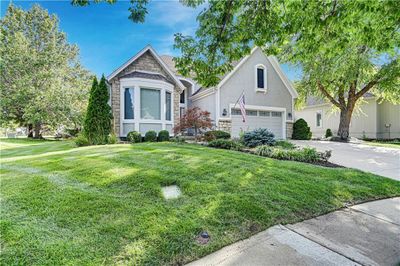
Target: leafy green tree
345	48
42	81
97	127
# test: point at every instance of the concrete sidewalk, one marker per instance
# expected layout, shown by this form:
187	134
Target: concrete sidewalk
365	234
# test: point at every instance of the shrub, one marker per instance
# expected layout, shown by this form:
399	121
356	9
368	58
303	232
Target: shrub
163	135
112	139
81	140
226	144
150	136
307	155
178	140
97	124
301	130
216	134
328	133
194	118
134	137
284	144
257	137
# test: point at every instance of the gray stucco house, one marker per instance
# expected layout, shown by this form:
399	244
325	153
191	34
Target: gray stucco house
147	93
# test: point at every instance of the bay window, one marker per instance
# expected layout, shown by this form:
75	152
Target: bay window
129	103
168	106
150	104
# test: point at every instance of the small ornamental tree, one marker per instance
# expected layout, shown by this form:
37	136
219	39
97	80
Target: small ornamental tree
97	125
194	118
301	130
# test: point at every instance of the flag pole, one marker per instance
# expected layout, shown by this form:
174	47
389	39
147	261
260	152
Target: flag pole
238	99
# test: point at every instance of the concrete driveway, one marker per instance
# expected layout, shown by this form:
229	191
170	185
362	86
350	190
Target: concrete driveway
378	160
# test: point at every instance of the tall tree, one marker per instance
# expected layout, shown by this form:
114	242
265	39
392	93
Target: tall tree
344	48
97	127
42	81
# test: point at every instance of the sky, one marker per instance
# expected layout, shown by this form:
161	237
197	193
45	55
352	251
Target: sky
107	38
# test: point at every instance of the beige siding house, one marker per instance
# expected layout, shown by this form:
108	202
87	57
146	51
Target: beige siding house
375	119
147	93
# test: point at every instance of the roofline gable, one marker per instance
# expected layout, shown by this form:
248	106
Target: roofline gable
275	64
156	56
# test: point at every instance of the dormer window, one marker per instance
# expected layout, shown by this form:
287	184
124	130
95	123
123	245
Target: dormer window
261	78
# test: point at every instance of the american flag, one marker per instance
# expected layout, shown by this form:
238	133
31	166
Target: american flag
242	108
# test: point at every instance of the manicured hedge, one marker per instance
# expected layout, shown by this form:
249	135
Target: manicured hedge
301	130
226	144
163	135
134	137
150	136
216	134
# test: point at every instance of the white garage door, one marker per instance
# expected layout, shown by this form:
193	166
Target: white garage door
257	119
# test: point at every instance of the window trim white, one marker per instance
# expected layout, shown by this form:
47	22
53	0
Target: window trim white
256	67
137	84
319	112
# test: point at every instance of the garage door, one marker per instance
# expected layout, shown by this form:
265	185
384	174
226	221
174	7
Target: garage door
257	119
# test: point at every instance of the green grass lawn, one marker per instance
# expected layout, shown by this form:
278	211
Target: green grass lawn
103	204
389	144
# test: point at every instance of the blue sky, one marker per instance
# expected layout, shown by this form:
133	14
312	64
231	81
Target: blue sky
107	38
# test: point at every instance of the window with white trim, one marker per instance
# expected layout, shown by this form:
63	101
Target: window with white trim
236	112
150	104
264	113
168	107
318	119
261	77
276	114
251	113
129	103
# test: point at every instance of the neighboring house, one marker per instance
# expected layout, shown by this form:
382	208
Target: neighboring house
147	93
375	119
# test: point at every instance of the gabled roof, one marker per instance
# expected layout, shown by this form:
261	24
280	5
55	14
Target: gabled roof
157	57
274	62
146	75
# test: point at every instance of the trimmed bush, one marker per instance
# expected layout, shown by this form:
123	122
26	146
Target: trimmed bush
134	137
308	155
226	144
301	130
150	136
97	124
328	133
81	140
216	134
257	137
163	135
178	140
284	144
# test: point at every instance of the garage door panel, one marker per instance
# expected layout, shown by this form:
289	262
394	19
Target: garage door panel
273	124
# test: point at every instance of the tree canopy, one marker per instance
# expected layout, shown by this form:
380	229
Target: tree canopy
42	81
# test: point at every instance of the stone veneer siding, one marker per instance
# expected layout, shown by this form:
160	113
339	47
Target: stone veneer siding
225	125
146	62
289	130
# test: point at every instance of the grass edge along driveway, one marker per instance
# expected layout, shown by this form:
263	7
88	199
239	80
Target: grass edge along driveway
103	204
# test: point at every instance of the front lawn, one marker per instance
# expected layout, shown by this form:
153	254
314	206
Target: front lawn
388	143
103	204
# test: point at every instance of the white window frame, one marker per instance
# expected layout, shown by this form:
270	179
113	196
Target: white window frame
257	89
316	119
137	84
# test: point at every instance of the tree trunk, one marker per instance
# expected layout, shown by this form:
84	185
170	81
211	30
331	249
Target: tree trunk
37	129
30	131
344	124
